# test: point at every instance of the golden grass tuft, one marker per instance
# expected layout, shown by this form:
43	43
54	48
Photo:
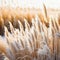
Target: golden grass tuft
36	38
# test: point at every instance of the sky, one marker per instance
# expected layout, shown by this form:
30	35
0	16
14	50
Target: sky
31	3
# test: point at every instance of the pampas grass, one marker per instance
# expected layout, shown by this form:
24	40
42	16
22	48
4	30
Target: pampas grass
38	41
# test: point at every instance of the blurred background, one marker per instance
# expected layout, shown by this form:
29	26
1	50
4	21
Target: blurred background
31	3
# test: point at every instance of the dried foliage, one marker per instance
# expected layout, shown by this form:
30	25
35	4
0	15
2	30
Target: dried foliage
35	42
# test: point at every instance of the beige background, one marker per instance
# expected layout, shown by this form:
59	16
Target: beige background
31	3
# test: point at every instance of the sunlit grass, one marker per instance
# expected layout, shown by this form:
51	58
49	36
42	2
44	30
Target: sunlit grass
36	38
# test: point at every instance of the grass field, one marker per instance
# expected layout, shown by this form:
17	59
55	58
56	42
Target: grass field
30	34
